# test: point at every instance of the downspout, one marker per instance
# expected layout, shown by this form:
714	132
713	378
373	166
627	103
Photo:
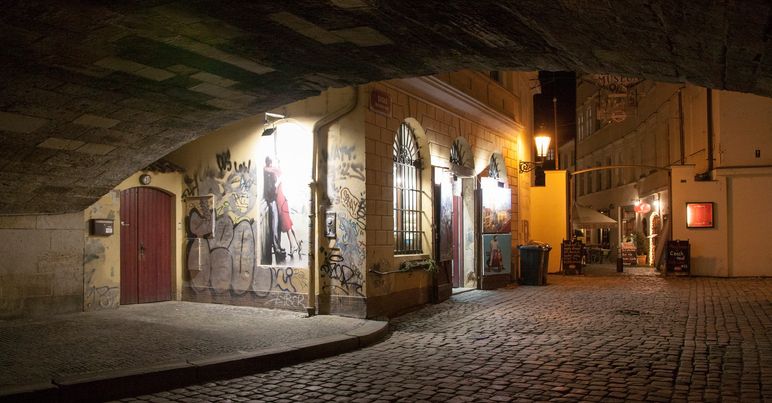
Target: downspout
705	176
313	235
681	137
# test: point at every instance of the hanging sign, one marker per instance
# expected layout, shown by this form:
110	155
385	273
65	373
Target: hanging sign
618	116
643	208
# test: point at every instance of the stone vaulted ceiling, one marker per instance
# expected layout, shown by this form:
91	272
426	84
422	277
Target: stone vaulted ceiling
93	91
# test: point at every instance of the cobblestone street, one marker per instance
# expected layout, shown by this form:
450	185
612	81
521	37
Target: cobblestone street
615	338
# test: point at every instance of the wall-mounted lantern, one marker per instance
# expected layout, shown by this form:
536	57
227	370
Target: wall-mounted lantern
542	140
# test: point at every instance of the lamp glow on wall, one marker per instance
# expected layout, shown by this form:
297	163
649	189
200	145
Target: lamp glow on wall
542	140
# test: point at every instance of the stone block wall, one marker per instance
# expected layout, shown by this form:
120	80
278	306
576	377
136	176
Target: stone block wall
41	270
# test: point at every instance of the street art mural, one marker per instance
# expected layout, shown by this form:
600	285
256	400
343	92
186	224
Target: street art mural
498	253
247	222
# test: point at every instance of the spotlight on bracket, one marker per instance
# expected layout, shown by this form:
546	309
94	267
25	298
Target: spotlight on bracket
270	123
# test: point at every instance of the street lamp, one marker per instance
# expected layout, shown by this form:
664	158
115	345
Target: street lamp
542	140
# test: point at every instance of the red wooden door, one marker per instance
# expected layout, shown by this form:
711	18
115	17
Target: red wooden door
145	246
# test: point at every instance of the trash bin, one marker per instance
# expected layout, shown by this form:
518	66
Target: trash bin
534	259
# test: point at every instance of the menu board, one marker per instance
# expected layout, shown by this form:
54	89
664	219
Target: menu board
571	254
677	259
628	254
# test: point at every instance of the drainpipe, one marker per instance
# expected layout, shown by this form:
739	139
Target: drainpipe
705	176
313	235
681	138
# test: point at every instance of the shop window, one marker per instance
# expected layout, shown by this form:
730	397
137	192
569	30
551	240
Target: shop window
407	193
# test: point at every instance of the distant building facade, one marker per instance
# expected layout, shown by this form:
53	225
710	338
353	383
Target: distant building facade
686	144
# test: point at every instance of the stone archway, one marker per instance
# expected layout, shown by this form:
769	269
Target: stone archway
95	92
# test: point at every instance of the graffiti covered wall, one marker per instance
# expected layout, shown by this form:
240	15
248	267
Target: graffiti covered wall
342	256
245	200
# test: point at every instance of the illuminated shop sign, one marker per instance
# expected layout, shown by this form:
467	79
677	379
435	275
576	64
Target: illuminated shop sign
699	215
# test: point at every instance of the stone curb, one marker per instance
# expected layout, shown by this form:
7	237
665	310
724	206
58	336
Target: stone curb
122	383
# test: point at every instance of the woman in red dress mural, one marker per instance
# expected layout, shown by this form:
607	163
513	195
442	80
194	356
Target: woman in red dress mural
285	221
281	221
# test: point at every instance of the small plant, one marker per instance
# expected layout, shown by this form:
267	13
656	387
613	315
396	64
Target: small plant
641	244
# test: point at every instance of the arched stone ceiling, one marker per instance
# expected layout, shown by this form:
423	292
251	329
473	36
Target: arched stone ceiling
92	91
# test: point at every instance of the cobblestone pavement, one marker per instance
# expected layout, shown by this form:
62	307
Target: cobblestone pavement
621	338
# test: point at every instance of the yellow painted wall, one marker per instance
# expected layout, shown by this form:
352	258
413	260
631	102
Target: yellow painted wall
548	214
102	256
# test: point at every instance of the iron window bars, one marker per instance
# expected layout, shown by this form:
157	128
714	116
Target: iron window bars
407	193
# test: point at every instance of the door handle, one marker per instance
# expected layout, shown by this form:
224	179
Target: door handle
141	249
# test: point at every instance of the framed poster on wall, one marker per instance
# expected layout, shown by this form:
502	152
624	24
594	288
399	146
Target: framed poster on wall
497	252
699	215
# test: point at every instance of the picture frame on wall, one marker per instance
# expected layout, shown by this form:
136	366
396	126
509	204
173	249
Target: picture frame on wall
699	215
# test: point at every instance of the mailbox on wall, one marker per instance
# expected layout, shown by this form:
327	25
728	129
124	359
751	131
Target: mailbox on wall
100	227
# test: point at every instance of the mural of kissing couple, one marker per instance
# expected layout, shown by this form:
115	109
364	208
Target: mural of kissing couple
285	193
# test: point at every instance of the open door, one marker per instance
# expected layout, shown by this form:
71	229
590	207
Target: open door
443	207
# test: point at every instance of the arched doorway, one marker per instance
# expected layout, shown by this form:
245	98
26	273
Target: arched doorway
146	232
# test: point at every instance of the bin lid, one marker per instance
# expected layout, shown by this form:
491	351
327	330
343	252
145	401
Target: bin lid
535	245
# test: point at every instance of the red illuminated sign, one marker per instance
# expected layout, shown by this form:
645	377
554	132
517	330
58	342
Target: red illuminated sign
699	215
643	208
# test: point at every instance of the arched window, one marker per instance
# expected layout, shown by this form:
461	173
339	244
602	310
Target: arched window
407	193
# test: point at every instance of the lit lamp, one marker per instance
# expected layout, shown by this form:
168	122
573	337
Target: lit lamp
542	146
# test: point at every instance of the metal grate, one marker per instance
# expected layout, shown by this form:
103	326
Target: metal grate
407	193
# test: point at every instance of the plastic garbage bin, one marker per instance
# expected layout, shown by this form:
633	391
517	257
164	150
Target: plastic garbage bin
534	260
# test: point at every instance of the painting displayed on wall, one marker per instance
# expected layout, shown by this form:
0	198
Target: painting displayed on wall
446	213
497	254
496	209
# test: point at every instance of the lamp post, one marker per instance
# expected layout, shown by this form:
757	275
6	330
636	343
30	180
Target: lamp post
555	115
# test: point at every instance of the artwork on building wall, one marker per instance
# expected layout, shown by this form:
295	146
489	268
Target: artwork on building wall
498	253
249	215
446	216
496	209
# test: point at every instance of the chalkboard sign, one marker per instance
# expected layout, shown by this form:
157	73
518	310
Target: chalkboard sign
677	259
571	254
628	254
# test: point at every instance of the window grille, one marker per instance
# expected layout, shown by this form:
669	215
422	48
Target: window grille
407	193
